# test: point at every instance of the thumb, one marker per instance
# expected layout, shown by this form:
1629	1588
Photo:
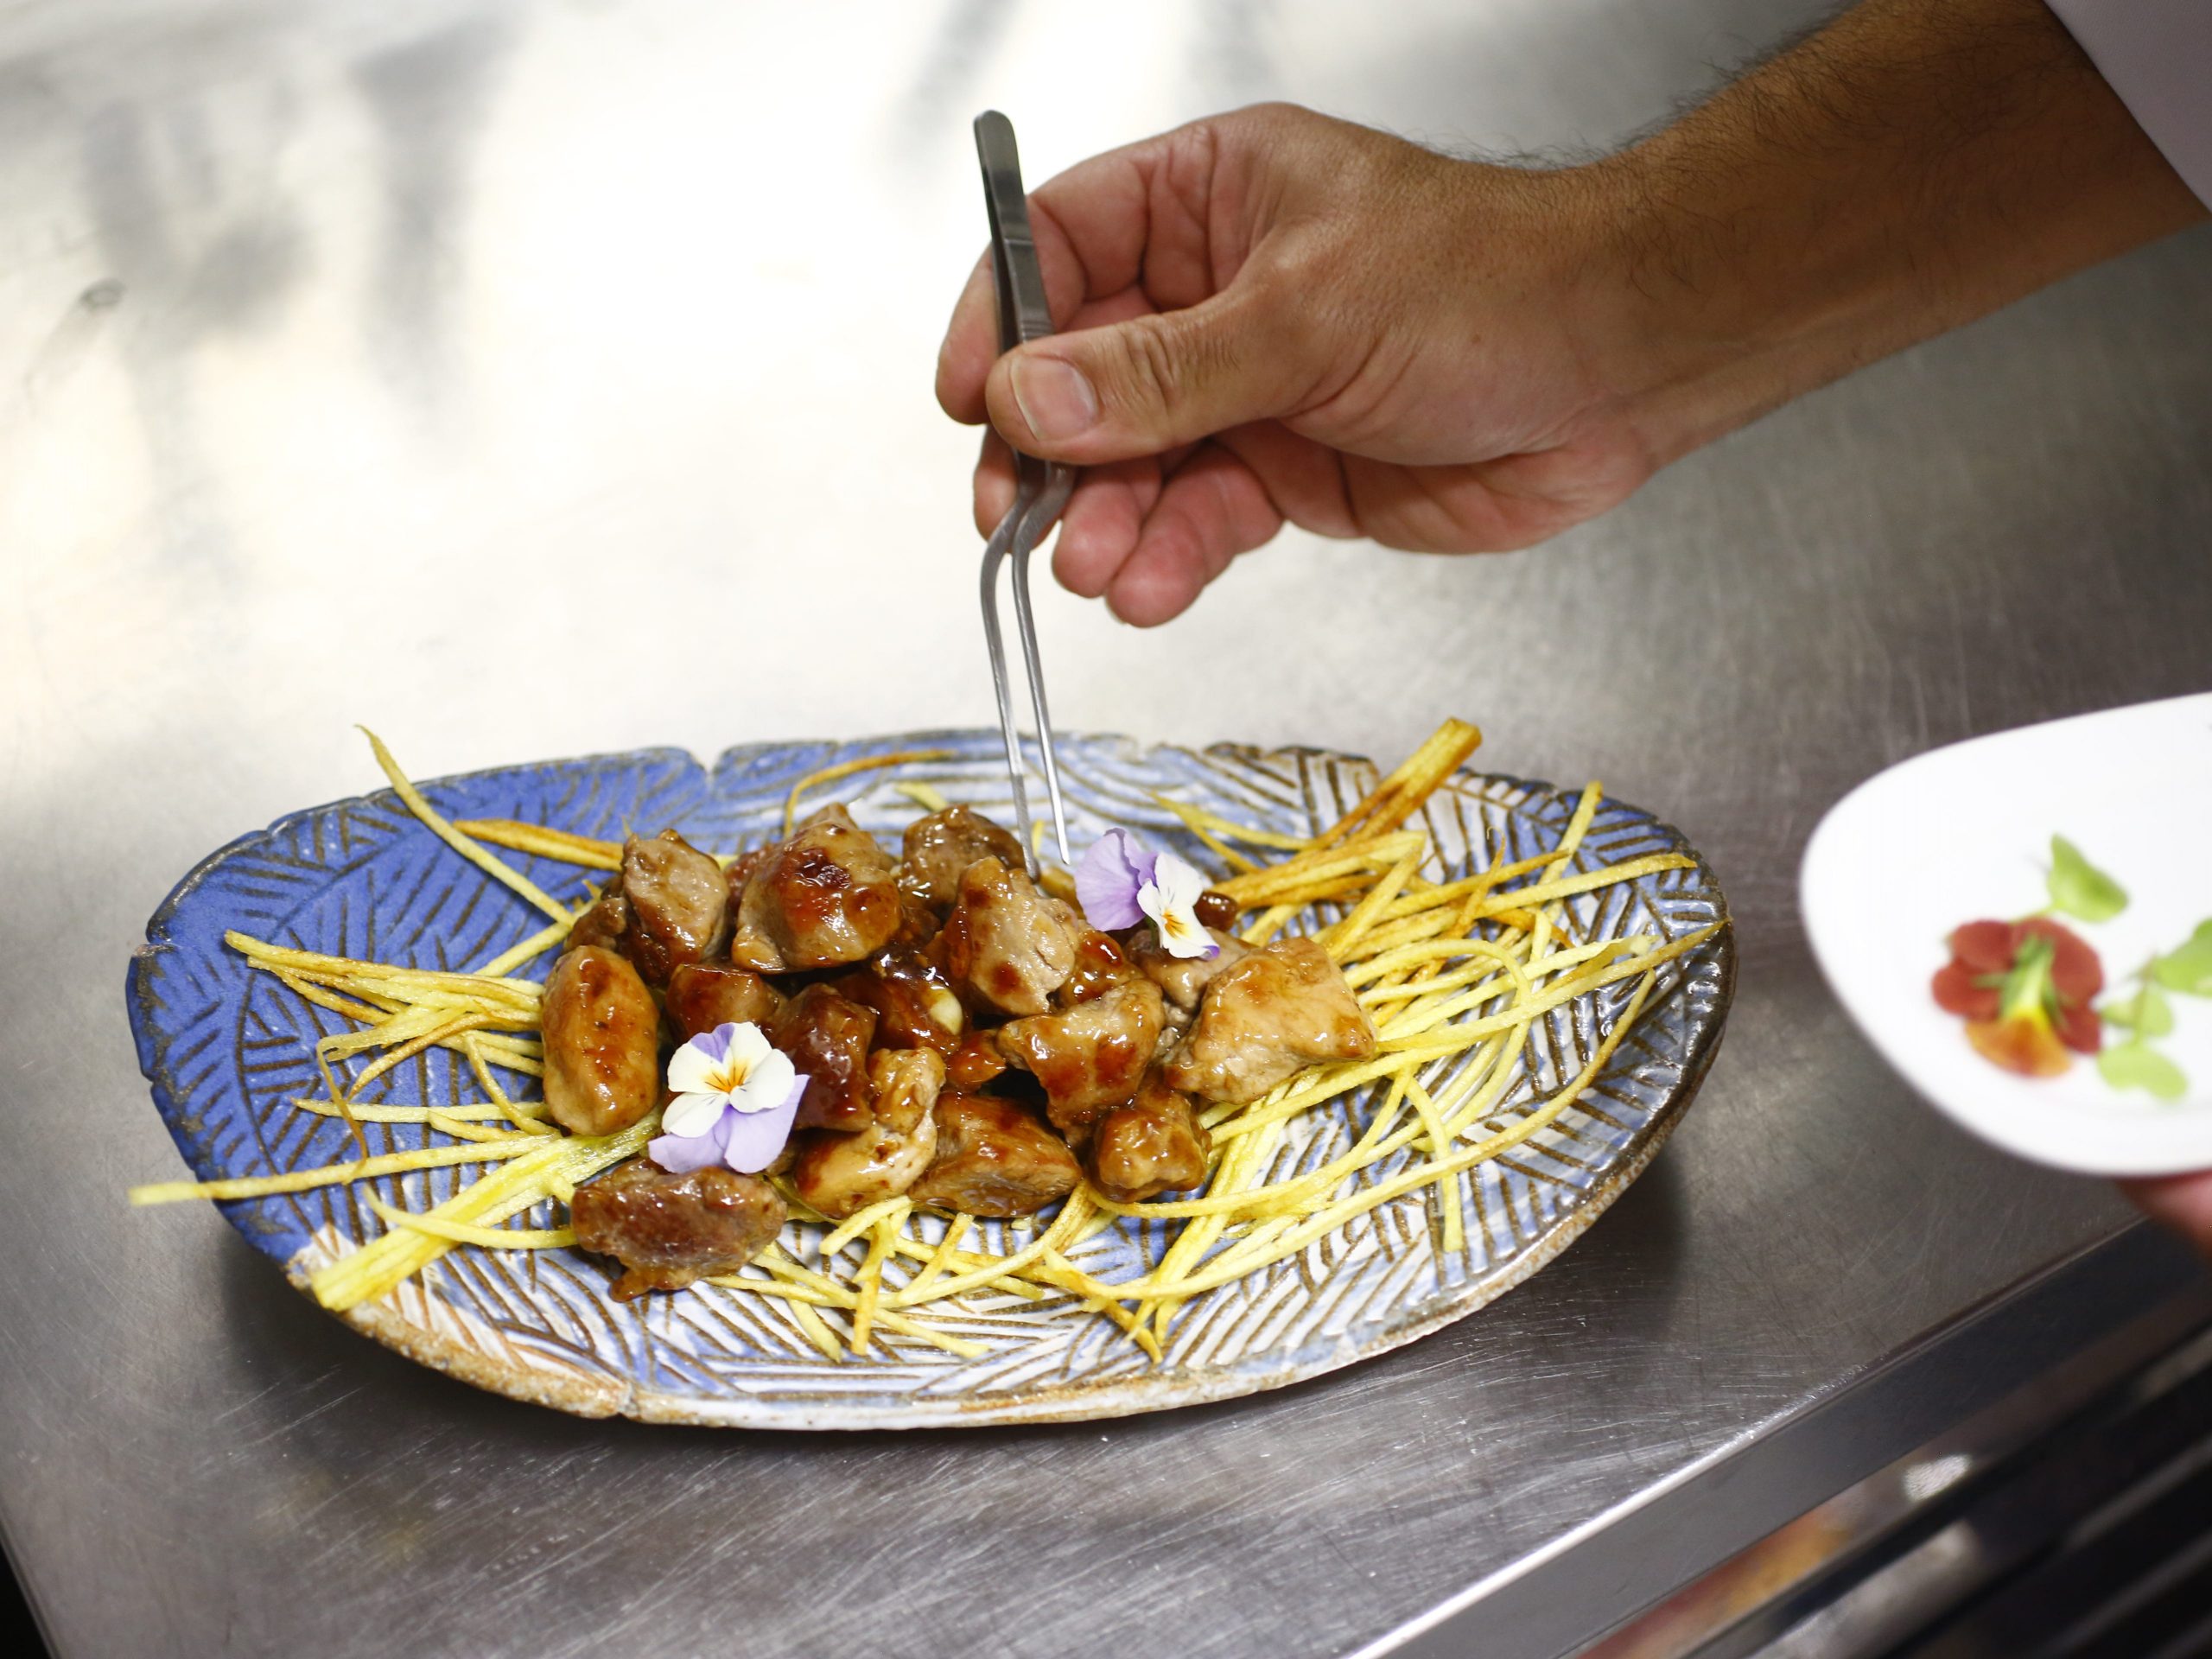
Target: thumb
1139	387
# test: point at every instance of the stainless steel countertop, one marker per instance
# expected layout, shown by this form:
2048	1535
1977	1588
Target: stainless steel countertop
543	379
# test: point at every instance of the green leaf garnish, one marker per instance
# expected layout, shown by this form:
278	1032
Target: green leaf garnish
2079	887
2187	968
2137	1066
2028	992
2147	1013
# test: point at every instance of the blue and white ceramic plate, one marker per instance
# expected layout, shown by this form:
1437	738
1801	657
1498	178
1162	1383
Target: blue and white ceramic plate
226	1050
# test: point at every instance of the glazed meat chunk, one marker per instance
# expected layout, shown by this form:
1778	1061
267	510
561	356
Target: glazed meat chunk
824	898
914	1003
827	1037
603	1043
1091	1057
670	1230
703	995
606	921
1153	1144
939	850
976	1062
1100	965
1281	1009
1007	943
840	1174
994	1159
1183	979
678	904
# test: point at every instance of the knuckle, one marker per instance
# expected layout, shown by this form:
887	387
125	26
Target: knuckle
1151	371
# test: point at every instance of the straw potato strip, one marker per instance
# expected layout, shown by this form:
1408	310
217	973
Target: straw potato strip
379	1267
369	1113
304	1180
504	873
848	769
1231	829
461	1232
535	945
520	837
1415	779
1309	871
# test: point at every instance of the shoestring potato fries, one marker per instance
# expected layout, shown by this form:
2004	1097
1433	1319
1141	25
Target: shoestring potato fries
1454	971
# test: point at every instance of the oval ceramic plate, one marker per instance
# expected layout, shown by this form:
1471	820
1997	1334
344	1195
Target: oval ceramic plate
1963	833
226	1050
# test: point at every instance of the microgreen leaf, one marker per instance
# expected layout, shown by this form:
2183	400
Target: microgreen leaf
2079	887
2187	967
2137	1066
2147	1013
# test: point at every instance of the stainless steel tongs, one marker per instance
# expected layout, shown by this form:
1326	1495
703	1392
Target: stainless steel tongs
1042	487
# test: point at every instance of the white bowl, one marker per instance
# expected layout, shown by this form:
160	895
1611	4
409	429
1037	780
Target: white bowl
1963	833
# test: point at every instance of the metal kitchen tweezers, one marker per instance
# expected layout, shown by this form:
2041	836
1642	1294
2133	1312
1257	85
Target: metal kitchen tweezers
1042	487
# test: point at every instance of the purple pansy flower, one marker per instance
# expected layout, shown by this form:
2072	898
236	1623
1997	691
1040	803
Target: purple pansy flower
1120	883
735	1098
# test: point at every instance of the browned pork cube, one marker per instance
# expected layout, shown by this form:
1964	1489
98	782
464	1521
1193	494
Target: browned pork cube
976	1062
605	922
939	850
678	903
840	1174
703	995
739	871
1100	965
994	1159
827	1037
1091	1057
824	898
1182	980
1007	943
913	1000
1281	1009
1155	1144
670	1230
603	1043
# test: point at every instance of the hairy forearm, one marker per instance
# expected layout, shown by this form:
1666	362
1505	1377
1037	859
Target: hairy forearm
1915	165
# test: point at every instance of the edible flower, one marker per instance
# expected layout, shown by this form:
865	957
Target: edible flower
735	1099
2024	989
1121	882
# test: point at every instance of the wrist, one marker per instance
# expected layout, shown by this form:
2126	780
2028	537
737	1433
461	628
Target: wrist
1911	167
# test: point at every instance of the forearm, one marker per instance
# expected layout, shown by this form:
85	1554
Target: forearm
1915	165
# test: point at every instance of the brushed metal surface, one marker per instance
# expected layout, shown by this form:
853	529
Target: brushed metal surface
341	338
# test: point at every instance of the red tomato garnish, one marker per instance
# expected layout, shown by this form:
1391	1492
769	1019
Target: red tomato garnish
1986	947
2053	1013
2074	970
2080	1029
1957	993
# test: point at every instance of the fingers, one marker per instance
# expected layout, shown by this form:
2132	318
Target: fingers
1092	225
970	346
1104	517
995	479
1212	509
994	484
1145	386
2181	1202
1166	217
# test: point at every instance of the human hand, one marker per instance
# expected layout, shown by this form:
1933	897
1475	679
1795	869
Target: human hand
1273	316
2181	1202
